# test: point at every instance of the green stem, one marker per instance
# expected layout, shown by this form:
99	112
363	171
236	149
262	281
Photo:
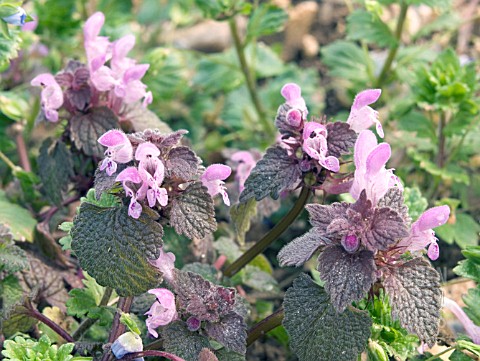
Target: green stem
10	164
441	353
87	323
265	325
271	236
240	50
393	50
441	141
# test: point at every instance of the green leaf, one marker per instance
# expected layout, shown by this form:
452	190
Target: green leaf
367	26
106	200
19	220
327	335
415	202
264	60
207	271
55	168
115	248
464	232
12	258
259	280
193	212
227	247
470	267
348	61
266	19
86	128
7	9
241	215
128	321
177	339
472	302
417	122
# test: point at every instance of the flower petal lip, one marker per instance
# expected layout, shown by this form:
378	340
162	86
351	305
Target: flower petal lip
93	25
216	172
291	91
112	138
434	217
129	174
365	98
365	142
378	157
146	150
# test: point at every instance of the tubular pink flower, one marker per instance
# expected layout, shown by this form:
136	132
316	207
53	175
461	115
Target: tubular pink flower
131	174
97	48
370	174
51	96
119	150
163	310
293	96
146	151
315	145
422	234
361	115
471	329
246	163
165	263
213	178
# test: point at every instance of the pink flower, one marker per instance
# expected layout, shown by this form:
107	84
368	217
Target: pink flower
471	329
97	48
165	263
163	310
246	163
119	150
293	96
213	178
370	174
315	145
361	115
51	97
422	234
132	175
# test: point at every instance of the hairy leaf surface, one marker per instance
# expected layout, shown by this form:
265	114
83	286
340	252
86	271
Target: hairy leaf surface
317	331
177	339
322	215
386	228
85	129
182	163
347	276
115	248
393	199
275	172
415	296
193	213
55	168
230	331
340	139
299	251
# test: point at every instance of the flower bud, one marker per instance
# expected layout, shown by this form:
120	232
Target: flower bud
294	117
129	342
193	323
17	19
350	243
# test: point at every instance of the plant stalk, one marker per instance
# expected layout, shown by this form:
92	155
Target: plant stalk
169	356
271	236
441	353
32	312
87	323
124	304
8	162
240	50
394	49
265	325
441	141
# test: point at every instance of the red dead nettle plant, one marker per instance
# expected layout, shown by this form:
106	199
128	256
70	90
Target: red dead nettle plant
147	181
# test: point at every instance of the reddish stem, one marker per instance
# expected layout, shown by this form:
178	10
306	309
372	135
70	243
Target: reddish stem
132	356
32	312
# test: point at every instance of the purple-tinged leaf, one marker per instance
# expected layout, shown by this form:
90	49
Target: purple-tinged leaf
321	215
86	128
182	163
317	331
193	213
275	172
160	139
386	228
340	139
202	299
178	340
116	249
284	126
230	331
415	296
363	205
394	199
301	249
347	276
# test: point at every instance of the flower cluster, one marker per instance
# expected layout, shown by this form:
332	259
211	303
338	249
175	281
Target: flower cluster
312	136
110	78
159	170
